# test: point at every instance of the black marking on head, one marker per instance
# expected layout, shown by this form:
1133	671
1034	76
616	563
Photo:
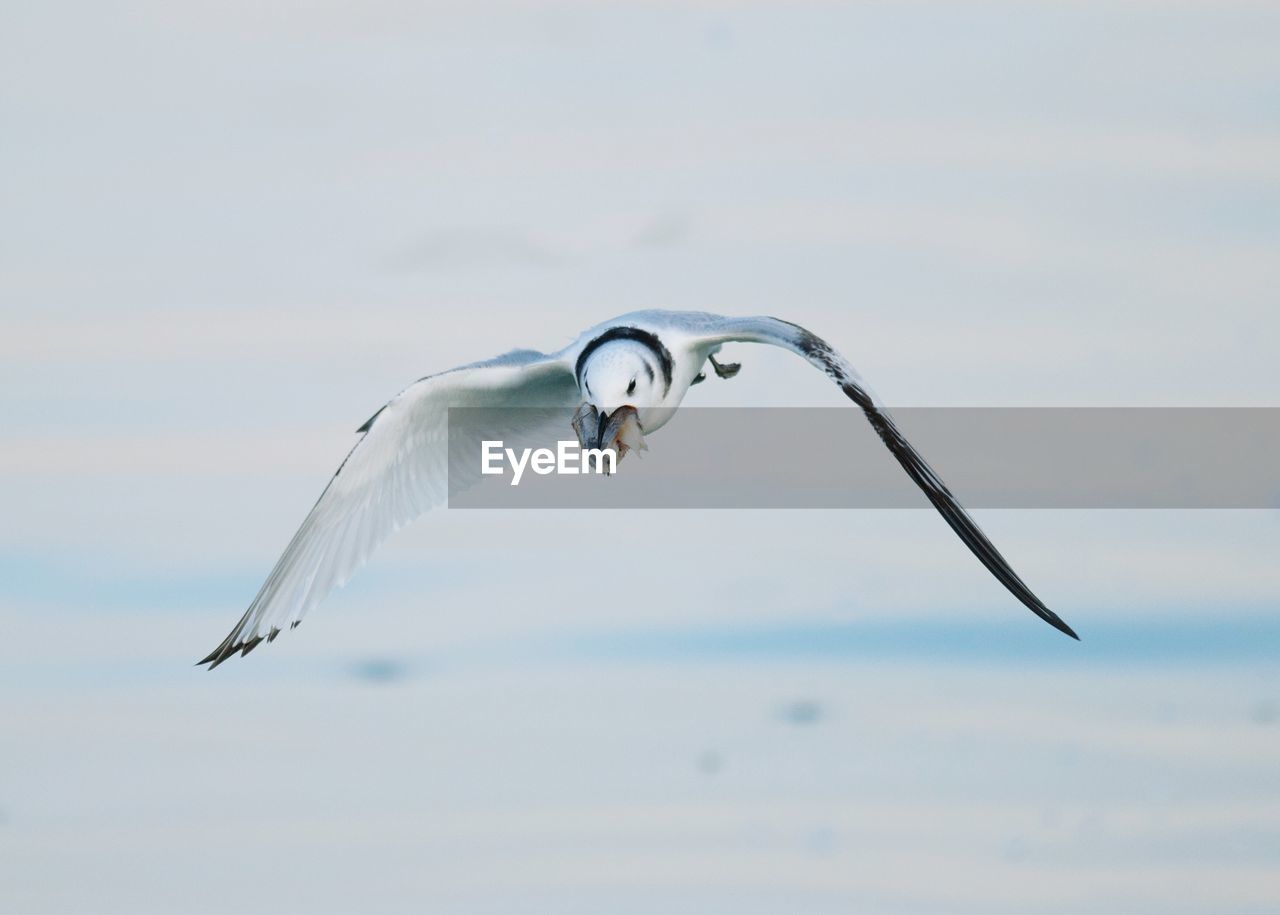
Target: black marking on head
631	388
643	337
648	368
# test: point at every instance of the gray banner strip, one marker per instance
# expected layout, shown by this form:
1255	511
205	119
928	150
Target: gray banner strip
831	458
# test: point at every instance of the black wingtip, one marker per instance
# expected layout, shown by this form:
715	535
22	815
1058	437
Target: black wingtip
213	659
1056	622
368	423
231	645
251	644
234	645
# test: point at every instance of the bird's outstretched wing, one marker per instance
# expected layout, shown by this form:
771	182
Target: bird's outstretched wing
398	470
709	331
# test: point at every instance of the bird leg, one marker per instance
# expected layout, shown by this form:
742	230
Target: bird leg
727	370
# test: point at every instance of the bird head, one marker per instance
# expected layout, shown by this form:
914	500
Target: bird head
620	386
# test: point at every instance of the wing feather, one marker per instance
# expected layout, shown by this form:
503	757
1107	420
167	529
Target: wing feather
396	471
711	330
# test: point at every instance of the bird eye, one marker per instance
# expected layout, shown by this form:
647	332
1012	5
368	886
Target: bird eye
631	388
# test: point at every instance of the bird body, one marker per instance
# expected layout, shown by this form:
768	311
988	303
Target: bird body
617	383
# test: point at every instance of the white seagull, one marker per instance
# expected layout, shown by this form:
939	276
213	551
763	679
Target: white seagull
619	381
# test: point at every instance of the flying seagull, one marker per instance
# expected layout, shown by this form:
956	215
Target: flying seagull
620	380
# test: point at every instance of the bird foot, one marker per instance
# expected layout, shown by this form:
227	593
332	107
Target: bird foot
726	370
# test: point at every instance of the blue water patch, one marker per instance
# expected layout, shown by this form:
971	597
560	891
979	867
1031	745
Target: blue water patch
36	579
1179	636
1188	640
98	585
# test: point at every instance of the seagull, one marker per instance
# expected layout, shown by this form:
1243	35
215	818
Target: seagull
615	384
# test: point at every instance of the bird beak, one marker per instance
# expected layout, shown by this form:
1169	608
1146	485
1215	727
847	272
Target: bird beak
619	430
588	424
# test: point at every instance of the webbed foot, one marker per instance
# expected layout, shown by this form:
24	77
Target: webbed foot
727	370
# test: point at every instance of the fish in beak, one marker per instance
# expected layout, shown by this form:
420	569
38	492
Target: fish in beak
618	431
